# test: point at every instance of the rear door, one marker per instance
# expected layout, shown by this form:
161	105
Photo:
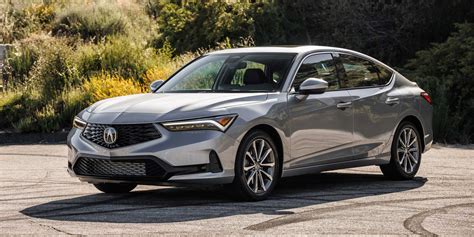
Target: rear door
321	131
375	112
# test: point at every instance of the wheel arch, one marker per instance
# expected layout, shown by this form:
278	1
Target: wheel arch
418	125
270	130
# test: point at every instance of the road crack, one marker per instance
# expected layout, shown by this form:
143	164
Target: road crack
52	228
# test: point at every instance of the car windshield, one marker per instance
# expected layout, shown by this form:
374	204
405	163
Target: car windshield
249	72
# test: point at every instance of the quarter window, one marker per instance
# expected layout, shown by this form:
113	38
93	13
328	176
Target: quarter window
317	66
384	74
357	72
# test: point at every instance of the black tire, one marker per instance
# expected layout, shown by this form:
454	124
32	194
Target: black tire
395	170
239	185
115	187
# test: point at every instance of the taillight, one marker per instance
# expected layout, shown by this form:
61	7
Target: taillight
426	97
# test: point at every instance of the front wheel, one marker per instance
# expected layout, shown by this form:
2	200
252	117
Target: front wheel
406	153
257	167
115	187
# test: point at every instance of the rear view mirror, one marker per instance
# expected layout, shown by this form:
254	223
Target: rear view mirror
313	86
155	85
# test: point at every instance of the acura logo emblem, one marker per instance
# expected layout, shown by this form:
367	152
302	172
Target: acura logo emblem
110	135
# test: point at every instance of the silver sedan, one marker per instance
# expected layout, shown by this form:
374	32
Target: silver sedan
248	117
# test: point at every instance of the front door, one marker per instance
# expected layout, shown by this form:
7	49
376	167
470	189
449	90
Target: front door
321	124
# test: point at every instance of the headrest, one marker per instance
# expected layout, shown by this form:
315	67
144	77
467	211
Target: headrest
254	76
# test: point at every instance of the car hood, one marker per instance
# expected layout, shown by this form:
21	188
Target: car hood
159	107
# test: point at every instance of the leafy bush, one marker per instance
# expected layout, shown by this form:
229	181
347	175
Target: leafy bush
200	25
105	86
69	104
54	70
90	23
18	23
27	111
21	60
45	61
446	72
41	100
119	56
14	105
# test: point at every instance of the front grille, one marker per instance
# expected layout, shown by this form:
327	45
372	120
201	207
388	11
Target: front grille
127	134
138	168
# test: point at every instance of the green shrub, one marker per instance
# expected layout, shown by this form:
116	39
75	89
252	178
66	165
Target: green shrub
21	60
38	57
18	23
10	108
42	102
200	25
446	72
54	70
25	111
93	22
17	108
71	103
119	56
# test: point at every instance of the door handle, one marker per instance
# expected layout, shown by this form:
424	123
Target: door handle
392	101
344	105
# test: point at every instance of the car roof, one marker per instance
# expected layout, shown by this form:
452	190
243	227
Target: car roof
299	49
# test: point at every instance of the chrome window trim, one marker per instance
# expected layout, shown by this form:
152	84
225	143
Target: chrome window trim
289	89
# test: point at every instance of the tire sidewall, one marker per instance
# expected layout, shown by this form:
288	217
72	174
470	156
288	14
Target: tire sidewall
240	180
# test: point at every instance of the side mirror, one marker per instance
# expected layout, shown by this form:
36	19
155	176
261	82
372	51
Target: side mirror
313	86
154	85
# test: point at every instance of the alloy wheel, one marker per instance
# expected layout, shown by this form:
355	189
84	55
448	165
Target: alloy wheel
259	163
408	152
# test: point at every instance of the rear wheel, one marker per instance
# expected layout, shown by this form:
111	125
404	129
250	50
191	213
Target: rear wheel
115	187
257	167
406	153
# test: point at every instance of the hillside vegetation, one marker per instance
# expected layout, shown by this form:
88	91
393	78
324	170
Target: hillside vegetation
69	54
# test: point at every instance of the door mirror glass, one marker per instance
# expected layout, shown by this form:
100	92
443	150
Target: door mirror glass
313	86
154	85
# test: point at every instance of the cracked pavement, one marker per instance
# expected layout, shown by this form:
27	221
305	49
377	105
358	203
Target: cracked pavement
38	197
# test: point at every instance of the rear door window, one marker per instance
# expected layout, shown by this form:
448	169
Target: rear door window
355	72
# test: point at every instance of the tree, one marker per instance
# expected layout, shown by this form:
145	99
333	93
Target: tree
446	72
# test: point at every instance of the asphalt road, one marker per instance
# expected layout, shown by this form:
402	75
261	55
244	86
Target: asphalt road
37	196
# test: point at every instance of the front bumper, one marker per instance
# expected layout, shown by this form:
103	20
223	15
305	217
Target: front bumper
182	157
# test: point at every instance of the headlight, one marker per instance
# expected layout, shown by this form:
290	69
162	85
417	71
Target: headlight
219	123
79	123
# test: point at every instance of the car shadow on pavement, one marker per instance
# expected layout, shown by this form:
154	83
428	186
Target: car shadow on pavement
179	204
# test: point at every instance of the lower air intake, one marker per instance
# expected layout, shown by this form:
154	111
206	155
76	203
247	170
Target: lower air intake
118	168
